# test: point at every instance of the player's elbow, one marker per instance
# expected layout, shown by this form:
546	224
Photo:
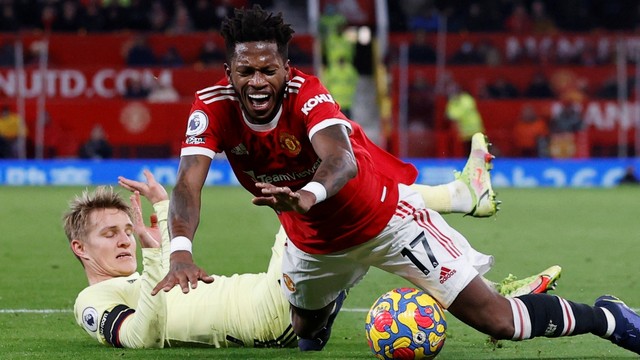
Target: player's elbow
350	165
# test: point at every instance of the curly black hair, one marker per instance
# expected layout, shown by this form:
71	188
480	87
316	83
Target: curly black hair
256	24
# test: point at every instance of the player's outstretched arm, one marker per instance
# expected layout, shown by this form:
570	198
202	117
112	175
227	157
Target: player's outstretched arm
184	216
338	166
144	328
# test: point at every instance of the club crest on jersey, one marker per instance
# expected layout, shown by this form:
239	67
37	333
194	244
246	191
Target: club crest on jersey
90	319
289	283
198	122
290	143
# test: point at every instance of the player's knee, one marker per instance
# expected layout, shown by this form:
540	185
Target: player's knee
501	328
307	323
487	312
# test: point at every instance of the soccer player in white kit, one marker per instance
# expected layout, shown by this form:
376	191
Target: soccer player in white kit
344	203
117	307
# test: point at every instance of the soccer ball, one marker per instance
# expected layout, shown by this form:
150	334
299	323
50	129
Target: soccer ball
405	323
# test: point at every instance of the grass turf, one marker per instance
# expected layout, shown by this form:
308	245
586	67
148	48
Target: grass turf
591	233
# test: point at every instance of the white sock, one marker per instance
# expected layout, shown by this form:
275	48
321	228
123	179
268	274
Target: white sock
460	195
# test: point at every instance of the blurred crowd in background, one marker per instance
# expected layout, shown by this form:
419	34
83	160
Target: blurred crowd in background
544	45
179	16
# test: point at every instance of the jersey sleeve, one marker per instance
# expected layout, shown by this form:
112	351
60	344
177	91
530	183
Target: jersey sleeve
202	135
162	212
146	326
318	107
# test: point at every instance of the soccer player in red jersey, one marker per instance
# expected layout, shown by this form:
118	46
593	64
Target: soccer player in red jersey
344	203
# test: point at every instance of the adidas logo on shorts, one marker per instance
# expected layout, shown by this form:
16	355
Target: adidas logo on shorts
445	274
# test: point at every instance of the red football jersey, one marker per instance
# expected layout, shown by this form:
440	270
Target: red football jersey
281	153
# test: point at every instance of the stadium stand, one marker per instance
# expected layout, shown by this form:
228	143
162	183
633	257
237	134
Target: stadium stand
567	50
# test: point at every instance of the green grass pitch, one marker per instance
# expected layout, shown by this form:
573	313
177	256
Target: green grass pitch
591	233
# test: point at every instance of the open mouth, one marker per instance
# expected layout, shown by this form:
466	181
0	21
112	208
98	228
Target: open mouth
259	102
123	255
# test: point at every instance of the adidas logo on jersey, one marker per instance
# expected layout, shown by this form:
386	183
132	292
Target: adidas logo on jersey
240	149
445	274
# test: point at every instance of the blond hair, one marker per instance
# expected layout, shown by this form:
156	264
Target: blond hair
76	220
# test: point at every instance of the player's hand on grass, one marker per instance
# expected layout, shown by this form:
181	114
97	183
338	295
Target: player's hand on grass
282	198
182	272
152	190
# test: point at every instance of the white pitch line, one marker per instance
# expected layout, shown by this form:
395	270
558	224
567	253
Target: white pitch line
34	311
53	311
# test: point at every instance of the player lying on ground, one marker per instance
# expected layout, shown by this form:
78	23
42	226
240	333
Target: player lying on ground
117	308
345	204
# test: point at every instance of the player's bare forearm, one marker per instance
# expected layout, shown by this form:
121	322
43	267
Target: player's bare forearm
335	171
184	209
184	212
338	164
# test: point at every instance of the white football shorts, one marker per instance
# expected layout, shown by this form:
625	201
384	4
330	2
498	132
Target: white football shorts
417	244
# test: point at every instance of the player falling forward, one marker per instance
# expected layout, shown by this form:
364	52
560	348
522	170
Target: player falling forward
344	203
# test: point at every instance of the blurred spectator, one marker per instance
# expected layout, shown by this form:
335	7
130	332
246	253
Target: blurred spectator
466	55
539	87
54	137
462	111
93	20
203	14
531	134
564	127
629	177
211	54
158	17
420	51
48	16
567	85
138	52
542	23
336	42
471	15
609	88
482	17
181	22
331	20
137	15
7	54
97	147
70	17
501	88
489	53
518	22
11	129
427	18
114	16
135	90
341	79
171	58
8	20
421	103
588	56
222	9
162	92
605	51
